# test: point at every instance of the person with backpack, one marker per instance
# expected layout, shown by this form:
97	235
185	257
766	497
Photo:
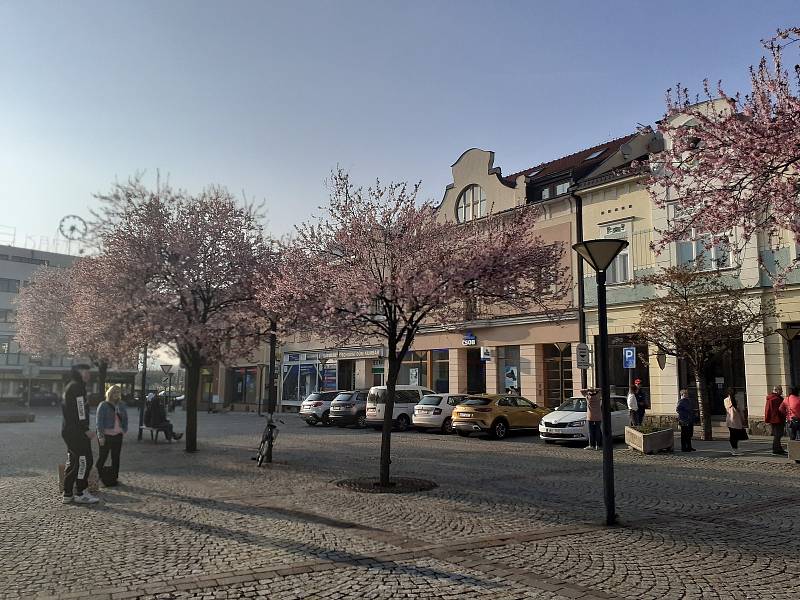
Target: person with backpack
791	408
685	412
112	424
77	436
736	422
776	418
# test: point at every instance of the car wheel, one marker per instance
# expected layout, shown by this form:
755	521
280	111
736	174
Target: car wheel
499	429
361	421
402	422
311	423
447	426
462	433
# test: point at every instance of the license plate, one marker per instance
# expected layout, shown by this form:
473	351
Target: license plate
467	415
550	430
370	410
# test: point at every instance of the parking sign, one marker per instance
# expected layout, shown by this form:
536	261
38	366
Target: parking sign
629	357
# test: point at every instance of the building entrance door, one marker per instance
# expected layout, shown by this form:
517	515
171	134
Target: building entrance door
476	372
346	375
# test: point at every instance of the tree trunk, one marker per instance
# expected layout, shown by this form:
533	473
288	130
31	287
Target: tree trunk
704	404
191	392
388	411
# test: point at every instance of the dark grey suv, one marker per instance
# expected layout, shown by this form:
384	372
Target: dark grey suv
350	408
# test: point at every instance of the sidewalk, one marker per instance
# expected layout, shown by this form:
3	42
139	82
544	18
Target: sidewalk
756	449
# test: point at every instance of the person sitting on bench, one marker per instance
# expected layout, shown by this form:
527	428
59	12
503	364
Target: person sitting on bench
156	418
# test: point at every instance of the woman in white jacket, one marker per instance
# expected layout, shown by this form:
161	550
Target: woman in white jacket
633	406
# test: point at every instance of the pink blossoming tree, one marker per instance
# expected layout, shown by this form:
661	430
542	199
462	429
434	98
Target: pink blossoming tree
733	161
379	266
63	311
186	270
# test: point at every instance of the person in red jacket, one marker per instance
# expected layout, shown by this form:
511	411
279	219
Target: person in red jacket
776	418
791	408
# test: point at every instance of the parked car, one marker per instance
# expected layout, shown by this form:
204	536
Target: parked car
350	408
169	399
316	408
405	398
496	414
567	423
435	411
43	398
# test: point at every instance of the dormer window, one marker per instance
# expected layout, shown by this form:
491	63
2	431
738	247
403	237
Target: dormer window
562	188
595	154
471	204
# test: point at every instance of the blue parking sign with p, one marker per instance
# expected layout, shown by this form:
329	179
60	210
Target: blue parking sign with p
629	357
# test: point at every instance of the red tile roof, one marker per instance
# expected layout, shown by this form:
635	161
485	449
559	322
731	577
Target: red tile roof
575	160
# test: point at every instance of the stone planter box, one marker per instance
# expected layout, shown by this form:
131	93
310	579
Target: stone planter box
794	450
649	443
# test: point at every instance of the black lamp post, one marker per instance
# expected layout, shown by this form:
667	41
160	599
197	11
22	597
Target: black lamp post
600	254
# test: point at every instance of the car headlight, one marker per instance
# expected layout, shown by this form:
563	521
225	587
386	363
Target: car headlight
577	423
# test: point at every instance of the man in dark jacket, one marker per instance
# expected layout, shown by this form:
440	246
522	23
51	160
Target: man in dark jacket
685	412
776	419
76	434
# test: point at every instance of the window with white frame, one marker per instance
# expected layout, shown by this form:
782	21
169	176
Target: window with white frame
545	193
471	204
619	271
706	250
562	188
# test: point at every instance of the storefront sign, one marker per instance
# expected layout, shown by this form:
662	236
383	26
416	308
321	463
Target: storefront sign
413	377
292	357
308	369
355	353
486	353
469	339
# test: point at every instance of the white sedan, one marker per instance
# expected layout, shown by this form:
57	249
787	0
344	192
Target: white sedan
435	411
568	423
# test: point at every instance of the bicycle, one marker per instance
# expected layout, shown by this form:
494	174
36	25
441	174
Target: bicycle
267	441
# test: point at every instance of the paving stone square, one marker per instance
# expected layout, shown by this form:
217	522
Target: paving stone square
509	519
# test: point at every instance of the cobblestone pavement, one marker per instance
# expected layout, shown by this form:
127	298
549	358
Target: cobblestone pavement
510	519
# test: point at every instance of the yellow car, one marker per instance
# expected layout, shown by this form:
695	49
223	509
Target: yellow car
496	414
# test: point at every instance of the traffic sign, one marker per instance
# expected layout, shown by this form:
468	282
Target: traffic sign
582	356
629	357
166	368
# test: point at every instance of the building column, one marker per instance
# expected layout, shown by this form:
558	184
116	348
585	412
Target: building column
363	373
756	377
491	373
663	384
531	376
458	371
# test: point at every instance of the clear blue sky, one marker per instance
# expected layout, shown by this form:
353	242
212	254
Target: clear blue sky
267	97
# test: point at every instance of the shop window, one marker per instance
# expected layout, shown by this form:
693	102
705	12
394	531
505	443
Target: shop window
508	371
414	369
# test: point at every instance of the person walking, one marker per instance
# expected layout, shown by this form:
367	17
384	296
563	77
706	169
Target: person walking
78	438
790	407
685	412
594	415
776	418
641	399
735	421
633	407
112	425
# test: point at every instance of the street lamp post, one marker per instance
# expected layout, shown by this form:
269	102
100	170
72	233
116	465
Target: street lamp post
600	254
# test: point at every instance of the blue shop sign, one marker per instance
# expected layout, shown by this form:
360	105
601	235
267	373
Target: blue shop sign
469	339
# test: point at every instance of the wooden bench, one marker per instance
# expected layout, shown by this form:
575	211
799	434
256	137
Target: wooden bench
154	431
